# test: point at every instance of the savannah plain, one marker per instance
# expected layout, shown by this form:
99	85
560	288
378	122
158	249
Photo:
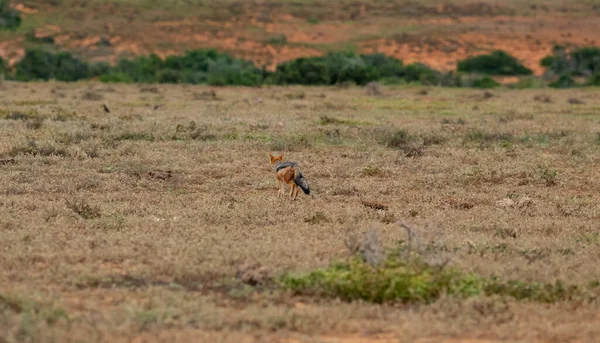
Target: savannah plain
144	223
147	213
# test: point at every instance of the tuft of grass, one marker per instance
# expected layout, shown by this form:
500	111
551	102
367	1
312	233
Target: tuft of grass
83	209
92	95
482	137
34	124
370	171
30	114
326	120
73	138
313	20
433	139
317	218
135	136
33	102
400	139
29	308
291	143
31	148
549	177
407	143
64	115
279	39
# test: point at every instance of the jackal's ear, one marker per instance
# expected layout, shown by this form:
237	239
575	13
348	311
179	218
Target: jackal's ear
271	157
280	157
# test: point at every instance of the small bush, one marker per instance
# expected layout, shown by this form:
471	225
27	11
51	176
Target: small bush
496	63
578	62
594	80
31	37
39	64
418	72
486	137
114	77
10	19
69	68
485	82
3	66
99	69
83	209
371	171
33	149
19	115
92	95
304	71
337	68
34	124
402	275
528	83
280	39
564	81
550	177
135	136
402	140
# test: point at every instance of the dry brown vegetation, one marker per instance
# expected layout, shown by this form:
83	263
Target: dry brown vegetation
159	220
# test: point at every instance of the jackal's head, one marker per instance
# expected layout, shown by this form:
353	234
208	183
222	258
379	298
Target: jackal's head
275	159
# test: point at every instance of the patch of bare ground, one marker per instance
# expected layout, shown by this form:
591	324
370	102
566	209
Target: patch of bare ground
144	224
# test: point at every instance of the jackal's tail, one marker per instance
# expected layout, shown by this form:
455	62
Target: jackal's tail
301	181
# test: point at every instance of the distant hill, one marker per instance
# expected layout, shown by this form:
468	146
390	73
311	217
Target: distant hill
436	33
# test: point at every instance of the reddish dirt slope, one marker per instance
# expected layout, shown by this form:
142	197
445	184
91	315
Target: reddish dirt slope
438	36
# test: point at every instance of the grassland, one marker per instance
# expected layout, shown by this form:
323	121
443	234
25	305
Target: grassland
159	220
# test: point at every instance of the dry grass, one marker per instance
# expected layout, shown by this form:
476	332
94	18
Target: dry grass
135	223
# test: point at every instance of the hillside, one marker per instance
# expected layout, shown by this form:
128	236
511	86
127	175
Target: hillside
437	33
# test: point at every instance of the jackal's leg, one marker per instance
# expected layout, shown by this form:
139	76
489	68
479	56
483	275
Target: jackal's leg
292	187
297	189
280	192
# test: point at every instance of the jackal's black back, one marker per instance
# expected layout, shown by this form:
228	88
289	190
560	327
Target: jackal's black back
284	165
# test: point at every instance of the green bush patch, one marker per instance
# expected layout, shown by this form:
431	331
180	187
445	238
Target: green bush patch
496	63
405	276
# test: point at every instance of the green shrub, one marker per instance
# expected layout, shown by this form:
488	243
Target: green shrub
578	62
405	277
304	71
99	69
10	19
586	60
485	82
594	80
234	73
114	77
338	68
39	64
348	67
496	63
197	66
418	72
3	66
394	281
169	76
528	83
142	69
564	81
69	68
386	67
